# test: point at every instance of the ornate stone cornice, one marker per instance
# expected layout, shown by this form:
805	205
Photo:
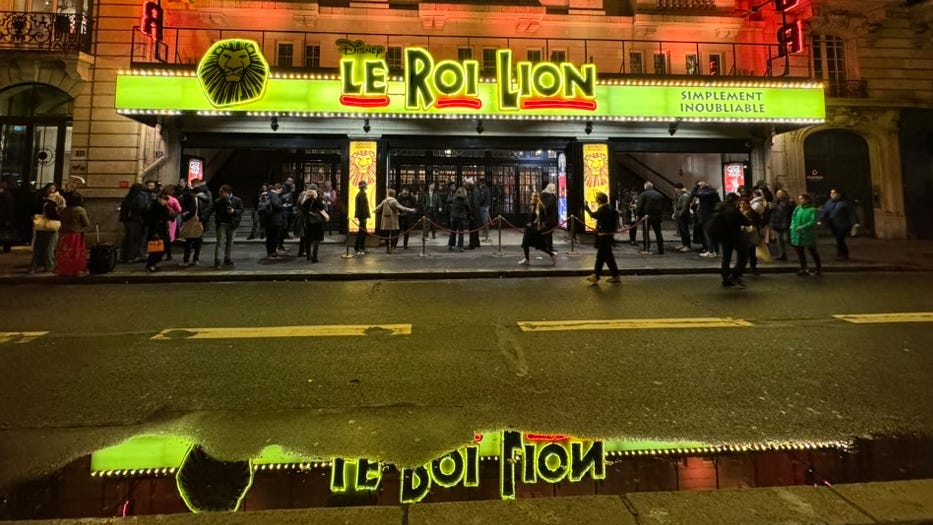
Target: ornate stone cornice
837	22
877	121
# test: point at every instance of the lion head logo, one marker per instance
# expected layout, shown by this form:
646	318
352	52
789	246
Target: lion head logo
233	72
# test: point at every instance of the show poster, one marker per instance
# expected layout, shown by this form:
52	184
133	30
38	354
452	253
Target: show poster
362	168
562	189
733	176
595	176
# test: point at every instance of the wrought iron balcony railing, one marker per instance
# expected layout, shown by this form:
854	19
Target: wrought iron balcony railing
45	31
297	50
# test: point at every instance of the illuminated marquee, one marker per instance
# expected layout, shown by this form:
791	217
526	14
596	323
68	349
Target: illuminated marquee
451	84
233	77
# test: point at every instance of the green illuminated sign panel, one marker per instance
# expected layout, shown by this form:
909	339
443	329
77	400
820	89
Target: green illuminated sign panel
233	77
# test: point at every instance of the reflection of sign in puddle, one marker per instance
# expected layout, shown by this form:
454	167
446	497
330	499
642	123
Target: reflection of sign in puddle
507	464
152	474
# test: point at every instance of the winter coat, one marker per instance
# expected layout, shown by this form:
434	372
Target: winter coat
782	210
133	207
388	210
733	222
650	203
708	198
550	217
362	206
202	205
459	207
838	215
682	204
804	220
277	214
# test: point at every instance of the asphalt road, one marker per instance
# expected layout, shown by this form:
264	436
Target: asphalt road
435	361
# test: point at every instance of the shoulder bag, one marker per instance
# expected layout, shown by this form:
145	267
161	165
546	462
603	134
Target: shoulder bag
192	227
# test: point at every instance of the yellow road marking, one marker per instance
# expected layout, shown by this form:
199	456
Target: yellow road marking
631	324
905	317
253	332
19	337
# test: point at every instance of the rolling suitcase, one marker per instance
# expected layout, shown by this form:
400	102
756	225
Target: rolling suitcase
103	258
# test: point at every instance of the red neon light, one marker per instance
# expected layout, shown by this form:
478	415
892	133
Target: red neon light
546	437
587	105
458	102
782	6
364	102
477	438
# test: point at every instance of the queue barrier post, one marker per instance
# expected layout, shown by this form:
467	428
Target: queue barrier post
573	236
499	251
346	244
424	236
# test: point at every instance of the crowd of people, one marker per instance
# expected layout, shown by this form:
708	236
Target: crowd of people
462	210
742	229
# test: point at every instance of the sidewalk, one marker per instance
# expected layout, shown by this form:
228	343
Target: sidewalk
434	261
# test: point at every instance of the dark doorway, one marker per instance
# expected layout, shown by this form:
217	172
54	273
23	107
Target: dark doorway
839	159
511	174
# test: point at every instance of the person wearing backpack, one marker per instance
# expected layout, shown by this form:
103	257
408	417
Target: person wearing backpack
649	205
133	216
273	220
262	209
228	210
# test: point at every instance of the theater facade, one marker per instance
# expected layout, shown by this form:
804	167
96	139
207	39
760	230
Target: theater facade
589	95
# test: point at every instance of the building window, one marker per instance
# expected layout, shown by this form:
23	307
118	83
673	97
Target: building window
313	56
558	56
829	60
285	55
394	58
636	64
489	62
534	55
660	64
715	64
464	53
691	65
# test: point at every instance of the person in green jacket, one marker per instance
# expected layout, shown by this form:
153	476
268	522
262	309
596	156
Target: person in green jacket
803	234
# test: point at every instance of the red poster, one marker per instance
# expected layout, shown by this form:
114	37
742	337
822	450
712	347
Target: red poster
733	176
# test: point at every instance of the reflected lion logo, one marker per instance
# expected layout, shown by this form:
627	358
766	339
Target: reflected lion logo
233	72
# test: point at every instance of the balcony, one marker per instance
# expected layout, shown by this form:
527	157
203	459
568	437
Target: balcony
34	31
316	51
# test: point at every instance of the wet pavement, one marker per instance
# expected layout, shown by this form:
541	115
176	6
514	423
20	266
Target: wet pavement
164	474
639	482
432	259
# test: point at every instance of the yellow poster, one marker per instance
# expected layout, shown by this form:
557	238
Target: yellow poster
362	169
595	175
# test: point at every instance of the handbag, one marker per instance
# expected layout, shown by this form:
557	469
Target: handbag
325	215
192	227
155	246
41	223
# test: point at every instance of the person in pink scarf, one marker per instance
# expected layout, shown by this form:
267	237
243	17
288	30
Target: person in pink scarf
174	209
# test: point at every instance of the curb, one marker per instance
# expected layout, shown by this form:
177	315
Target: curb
414	275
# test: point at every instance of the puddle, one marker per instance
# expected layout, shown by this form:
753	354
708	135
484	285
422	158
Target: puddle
155	474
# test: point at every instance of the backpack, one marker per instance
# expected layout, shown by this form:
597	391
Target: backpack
264	208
